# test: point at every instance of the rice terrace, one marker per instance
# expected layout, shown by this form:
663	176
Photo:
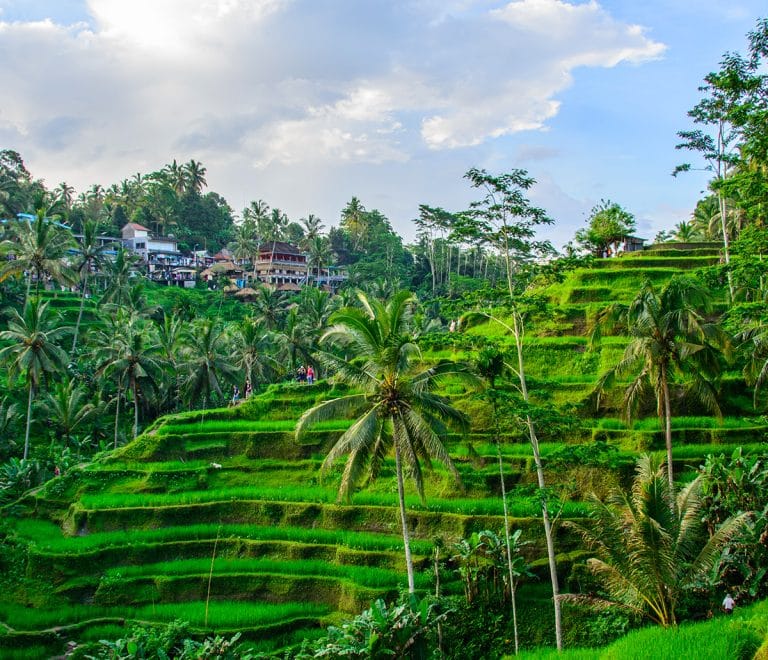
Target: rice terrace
255	436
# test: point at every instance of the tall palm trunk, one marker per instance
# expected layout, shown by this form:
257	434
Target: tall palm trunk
29	417
117	413
506	524
80	313
518	331
403	520
135	388
667	428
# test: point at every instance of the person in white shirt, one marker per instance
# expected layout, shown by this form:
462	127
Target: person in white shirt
728	604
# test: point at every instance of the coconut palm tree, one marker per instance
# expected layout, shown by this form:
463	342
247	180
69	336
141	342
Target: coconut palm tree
195	176
296	339
207	364
67	408
320	254
270	306
670	339
651	544
119	273
38	247
170	333
91	255
685	232
252	350
133	356
33	350
312	227
245	244
395	407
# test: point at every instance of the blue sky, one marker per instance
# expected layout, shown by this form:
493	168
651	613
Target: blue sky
305	103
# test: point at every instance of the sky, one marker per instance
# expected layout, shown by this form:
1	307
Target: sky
307	103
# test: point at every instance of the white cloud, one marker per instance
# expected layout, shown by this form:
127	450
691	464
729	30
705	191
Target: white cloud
251	84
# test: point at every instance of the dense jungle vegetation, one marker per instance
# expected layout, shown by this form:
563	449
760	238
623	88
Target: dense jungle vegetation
507	450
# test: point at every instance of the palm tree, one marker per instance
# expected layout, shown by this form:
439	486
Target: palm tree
316	307
651	545
118	272
245	244
195	176
353	220
252	348
207	361
270	306
65	194
296	338
396	407
685	232
101	343
669	337
67	408
312	227
133	356
177	177
91	255
320	254
33	350
170	332
38	247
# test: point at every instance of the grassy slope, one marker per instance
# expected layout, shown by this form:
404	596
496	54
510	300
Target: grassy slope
733	637
136	530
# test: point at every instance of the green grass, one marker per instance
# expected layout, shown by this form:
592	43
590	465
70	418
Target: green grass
364	575
47	537
221	614
522	508
735	637
245	426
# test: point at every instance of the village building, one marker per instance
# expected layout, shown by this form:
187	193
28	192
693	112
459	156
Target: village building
281	266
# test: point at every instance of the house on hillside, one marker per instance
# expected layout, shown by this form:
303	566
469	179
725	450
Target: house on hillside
157	250
281	266
330	278
633	244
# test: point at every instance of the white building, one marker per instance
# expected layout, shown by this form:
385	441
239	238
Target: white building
151	248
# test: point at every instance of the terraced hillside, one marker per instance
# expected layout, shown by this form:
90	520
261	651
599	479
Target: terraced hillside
221	517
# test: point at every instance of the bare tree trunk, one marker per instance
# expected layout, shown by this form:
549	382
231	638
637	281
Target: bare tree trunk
135	407
29	417
506	526
117	413
518	333
668	430
80	313
403	520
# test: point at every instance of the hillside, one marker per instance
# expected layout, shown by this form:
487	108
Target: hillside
220	517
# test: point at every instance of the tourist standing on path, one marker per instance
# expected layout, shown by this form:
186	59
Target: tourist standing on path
728	604
310	374
248	388
235	394
301	374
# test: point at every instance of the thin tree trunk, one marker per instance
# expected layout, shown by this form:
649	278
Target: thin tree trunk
668	431
726	243
117	413
29	417
540	477
506	525
403	520
80	313
135	408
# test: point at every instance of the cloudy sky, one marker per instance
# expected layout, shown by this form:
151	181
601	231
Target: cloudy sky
305	103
